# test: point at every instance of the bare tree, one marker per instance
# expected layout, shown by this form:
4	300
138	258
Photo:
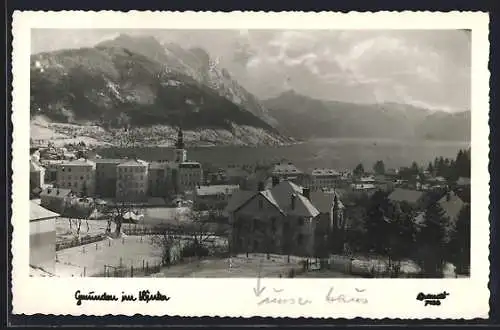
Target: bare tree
168	242
200	231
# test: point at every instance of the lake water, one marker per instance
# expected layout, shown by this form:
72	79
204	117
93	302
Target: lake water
334	153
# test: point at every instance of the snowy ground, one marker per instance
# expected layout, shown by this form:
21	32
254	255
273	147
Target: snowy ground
66	232
91	258
239	266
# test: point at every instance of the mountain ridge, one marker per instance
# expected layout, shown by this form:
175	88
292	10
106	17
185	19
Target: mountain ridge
306	117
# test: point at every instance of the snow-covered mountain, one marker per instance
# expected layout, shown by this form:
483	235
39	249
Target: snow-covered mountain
196	63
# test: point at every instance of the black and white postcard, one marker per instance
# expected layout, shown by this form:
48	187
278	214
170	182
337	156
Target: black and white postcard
323	165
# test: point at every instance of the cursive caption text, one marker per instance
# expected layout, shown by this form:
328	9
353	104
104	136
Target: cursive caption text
143	296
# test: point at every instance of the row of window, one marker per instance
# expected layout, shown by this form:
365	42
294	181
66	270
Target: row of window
130	185
122	177
80	169
132	169
69	177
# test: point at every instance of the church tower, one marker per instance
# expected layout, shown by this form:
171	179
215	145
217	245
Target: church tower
180	154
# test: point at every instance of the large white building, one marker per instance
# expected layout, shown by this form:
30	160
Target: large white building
77	175
132	180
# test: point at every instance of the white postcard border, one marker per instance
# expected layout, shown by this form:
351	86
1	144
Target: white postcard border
387	298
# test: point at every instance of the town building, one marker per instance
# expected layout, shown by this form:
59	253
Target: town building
42	241
106	177
278	220
51	167
213	197
132	180
77	175
157	176
56	199
324	178
182	174
286	171
37	175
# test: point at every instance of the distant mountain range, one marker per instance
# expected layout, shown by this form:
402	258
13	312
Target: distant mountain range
304	117
140	82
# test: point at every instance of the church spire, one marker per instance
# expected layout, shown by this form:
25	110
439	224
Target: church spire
180	140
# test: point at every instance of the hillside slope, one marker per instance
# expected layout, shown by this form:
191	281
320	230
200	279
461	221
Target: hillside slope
305	117
116	88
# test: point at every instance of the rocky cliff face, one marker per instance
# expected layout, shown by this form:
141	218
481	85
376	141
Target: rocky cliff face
136	83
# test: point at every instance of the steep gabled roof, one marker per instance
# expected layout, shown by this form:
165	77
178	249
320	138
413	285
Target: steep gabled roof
324	201
238	199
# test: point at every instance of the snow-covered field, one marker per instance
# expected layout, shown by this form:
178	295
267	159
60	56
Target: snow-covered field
239	266
92	258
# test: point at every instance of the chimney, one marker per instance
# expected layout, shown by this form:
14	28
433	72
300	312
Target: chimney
260	186
276	181
293	197
306	192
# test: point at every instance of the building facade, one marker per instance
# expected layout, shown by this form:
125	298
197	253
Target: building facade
279	220
132	180
106	177
323	178
183	175
157	175
55	199
42	241
214	197
77	175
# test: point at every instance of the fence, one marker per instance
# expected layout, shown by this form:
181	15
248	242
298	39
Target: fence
66	244
147	268
123	271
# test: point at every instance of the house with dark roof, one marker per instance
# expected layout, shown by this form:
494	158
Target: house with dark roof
56	199
213	197
281	219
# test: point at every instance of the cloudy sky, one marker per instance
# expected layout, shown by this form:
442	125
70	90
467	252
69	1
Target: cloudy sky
429	68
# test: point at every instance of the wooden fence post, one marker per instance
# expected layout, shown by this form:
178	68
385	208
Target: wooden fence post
105	275
109	242
96	246
84	271
121	264
132	271
142	264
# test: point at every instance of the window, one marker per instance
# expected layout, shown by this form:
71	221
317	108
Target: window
81	178
69	184
261	204
69	169
69	177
